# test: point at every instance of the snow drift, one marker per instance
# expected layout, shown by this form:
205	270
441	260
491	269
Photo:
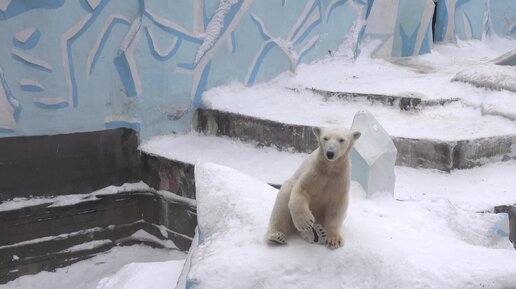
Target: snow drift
412	244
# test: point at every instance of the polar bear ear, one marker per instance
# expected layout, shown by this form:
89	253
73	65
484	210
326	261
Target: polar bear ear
356	135
316	131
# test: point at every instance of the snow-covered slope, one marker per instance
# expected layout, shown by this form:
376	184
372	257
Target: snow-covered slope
110	267
389	244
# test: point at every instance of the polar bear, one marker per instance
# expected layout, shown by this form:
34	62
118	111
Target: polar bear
315	199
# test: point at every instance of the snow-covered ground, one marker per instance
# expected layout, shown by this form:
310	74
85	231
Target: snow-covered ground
136	266
433	217
426	243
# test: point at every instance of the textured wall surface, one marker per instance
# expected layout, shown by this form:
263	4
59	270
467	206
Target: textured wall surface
70	66
473	19
73	66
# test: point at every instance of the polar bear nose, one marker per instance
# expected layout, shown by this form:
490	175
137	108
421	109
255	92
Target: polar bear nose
330	155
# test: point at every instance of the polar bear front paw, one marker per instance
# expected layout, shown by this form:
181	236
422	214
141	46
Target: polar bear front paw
303	221
334	241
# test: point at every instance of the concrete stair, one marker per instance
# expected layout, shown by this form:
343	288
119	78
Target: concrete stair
169	161
405	103
418	153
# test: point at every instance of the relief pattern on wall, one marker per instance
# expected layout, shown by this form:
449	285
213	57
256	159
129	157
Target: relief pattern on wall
69	66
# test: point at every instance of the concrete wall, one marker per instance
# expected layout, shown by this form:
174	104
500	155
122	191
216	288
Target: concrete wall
475	19
74	66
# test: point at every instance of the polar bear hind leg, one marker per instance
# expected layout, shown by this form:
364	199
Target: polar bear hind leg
277	237
280	224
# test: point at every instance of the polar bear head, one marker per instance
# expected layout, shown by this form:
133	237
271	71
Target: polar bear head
335	142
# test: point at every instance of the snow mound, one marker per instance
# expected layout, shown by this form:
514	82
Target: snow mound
156	275
491	76
389	244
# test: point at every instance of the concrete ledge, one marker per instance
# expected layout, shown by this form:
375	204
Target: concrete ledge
419	153
167	174
45	237
264	132
75	163
403	102
173	176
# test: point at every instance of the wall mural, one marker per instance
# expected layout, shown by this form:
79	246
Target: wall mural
475	19
71	66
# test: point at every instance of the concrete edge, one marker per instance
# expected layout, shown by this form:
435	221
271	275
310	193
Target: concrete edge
29	249
417	153
402	102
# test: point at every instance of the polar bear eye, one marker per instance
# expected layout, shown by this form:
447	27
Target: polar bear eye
325	139
341	140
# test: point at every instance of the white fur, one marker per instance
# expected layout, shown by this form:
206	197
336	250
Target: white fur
318	191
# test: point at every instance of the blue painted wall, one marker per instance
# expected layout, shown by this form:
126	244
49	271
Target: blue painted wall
475	19
71	66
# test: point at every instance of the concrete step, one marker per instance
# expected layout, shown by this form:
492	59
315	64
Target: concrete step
432	153
178	154
404	103
169	161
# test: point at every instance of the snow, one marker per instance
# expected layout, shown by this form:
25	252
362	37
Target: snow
477	189
106	270
88	245
452	122
68	200
389	244
138	275
194	147
426	76
503	104
58	237
491	76
143	236
173	198
214	28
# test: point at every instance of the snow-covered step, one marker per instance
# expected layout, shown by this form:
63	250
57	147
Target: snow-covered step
412	152
410	101
443	137
169	160
451	122
428	76
476	189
